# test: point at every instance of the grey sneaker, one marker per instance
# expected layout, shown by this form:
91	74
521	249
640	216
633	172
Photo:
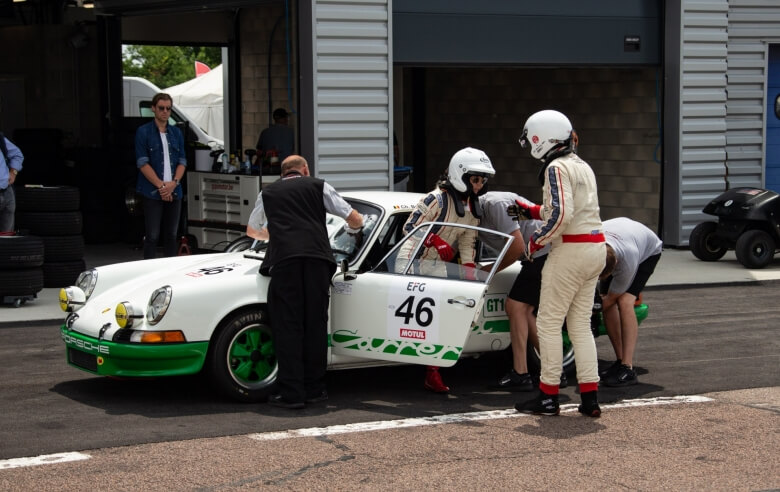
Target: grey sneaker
623	376
512	381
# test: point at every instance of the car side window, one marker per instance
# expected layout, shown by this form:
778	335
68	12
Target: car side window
412	257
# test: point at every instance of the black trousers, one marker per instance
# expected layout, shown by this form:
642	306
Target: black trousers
298	298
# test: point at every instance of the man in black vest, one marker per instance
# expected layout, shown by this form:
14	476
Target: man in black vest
290	213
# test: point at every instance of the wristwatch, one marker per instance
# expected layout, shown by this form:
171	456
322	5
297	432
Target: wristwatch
176	181
14	171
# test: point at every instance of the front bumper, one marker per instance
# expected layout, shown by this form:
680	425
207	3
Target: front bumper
107	358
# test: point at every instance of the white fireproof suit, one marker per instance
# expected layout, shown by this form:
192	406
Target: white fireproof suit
438	206
572	226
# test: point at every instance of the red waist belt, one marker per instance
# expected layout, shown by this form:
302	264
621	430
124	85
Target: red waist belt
583	238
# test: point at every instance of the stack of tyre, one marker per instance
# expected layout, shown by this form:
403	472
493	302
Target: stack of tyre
21	272
52	213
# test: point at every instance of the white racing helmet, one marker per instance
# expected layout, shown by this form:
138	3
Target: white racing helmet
468	162
544	131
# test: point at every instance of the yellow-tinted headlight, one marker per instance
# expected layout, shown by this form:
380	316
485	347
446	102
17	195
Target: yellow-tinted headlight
71	299
126	315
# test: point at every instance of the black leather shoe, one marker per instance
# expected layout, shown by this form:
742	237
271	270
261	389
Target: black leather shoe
318	398
279	401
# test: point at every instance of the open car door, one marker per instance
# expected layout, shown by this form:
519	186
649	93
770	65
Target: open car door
413	307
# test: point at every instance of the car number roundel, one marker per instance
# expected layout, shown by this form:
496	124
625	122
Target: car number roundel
413	313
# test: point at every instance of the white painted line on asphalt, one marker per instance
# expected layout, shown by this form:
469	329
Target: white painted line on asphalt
456	418
44	459
49	459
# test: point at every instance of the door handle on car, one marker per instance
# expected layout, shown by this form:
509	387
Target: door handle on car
468	302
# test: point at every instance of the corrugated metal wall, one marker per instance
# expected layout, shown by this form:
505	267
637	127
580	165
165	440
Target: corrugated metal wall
702	111
722	94
751	24
353	93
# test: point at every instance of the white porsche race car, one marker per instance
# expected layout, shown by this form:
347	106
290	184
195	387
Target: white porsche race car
187	314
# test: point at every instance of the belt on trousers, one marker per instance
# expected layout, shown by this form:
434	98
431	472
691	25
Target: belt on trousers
583	238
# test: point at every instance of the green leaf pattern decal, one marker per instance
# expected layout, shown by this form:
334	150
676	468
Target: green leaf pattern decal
346	339
493	326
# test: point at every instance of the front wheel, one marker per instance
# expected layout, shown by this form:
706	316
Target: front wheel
705	245
243	364
755	249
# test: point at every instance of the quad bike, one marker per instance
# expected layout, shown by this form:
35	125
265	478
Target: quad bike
748	222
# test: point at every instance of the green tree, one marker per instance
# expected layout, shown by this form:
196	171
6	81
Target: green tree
165	66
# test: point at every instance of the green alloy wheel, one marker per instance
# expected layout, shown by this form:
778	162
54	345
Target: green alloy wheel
243	362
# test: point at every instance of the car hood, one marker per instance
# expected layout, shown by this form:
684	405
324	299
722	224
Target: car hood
204	288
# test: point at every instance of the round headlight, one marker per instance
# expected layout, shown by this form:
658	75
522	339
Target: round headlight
86	282
158	304
125	314
71	299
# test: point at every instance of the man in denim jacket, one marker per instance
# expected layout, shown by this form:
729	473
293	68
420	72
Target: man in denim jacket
159	153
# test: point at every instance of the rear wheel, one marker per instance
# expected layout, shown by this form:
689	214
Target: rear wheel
705	245
755	249
242	364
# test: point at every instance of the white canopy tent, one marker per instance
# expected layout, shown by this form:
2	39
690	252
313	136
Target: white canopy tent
201	99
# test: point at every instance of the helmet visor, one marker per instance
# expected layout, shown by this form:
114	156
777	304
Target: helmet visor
524	139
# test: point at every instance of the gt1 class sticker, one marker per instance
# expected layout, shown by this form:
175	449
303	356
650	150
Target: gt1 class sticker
413	312
213	270
494	306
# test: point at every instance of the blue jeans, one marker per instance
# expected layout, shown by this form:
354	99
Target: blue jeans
7	209
161	220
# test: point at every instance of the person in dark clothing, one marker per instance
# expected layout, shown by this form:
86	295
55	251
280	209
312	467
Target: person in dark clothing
290	214
161	162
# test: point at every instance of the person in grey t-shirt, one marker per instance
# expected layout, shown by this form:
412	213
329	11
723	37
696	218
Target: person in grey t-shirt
633	251
523	297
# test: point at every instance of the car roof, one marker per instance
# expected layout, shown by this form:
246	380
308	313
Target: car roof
389	200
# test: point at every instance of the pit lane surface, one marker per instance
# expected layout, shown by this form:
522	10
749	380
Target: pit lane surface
695	341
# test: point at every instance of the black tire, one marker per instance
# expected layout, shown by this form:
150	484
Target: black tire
21	252
50	223
47	198
21	282
241	244
63	248
242	360
755	249
62	273
705	245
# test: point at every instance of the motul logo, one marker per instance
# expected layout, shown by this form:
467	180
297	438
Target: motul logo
409	333
215	186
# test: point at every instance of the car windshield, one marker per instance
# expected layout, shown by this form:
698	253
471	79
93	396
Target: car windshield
346	246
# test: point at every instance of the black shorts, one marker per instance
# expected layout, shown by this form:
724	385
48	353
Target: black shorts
528	284
643	272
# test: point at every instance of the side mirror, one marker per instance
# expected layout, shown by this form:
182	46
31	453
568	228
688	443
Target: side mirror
345	270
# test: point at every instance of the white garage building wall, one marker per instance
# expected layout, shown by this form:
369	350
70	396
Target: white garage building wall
352	93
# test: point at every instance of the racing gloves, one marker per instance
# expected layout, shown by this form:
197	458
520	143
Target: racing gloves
524	211
446	253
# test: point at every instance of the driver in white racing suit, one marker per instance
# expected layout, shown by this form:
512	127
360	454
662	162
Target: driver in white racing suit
572	225
455	200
